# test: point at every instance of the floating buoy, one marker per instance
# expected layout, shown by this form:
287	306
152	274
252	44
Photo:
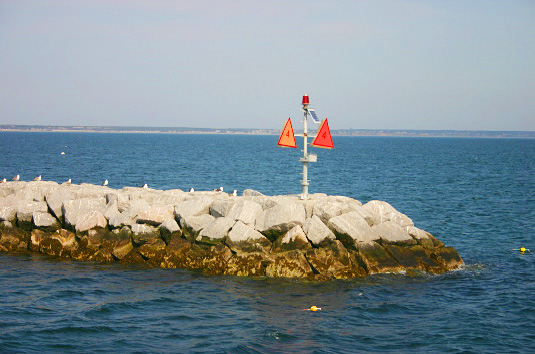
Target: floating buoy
313	308
521	249
63	153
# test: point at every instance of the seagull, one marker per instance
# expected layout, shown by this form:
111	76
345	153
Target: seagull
63	153
235	193
191	190
16	178
38	178
105	183
69	181
4	180
220	189
145	186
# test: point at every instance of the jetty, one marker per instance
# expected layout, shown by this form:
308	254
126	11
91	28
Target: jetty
323	237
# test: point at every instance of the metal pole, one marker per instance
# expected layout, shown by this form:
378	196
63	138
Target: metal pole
304	195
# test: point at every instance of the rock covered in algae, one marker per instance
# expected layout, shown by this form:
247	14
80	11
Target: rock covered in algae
325	237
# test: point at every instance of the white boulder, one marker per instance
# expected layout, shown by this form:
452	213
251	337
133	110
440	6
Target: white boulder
316	231
241	232
354	226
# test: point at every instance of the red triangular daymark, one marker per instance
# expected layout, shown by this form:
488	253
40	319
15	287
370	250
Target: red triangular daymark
287	138
323	139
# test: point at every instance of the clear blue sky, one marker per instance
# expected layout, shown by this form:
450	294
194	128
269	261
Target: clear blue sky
464	65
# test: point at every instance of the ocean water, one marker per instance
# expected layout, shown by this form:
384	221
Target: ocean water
477	195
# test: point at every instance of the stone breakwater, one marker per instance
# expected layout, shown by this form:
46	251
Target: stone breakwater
325	237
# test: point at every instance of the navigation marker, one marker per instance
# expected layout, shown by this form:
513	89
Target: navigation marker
323	139
287	138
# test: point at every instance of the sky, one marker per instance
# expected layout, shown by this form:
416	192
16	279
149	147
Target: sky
424	65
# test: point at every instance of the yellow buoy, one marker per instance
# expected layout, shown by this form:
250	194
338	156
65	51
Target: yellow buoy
313	308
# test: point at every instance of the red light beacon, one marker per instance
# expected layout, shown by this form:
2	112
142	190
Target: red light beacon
306	102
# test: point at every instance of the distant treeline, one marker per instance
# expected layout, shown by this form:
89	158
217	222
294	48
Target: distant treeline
347	132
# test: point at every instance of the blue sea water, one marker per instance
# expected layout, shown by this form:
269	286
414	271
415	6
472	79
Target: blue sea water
477	195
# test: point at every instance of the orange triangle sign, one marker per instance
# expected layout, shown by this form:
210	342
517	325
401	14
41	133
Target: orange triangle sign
323	139
287	138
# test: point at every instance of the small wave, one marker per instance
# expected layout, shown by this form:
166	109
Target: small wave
74	281
244	349
97	292
70	293
62	347
471	267
387	307
178	318
76	330
467	270
110	308
279	336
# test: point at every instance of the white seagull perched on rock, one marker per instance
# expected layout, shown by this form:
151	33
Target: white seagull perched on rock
145	186
191	190
220	189
105	183
235	193
38	178
16	178
69	181
4	180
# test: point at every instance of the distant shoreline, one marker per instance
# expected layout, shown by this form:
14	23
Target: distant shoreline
232	131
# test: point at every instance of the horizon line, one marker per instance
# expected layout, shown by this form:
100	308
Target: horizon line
78	127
